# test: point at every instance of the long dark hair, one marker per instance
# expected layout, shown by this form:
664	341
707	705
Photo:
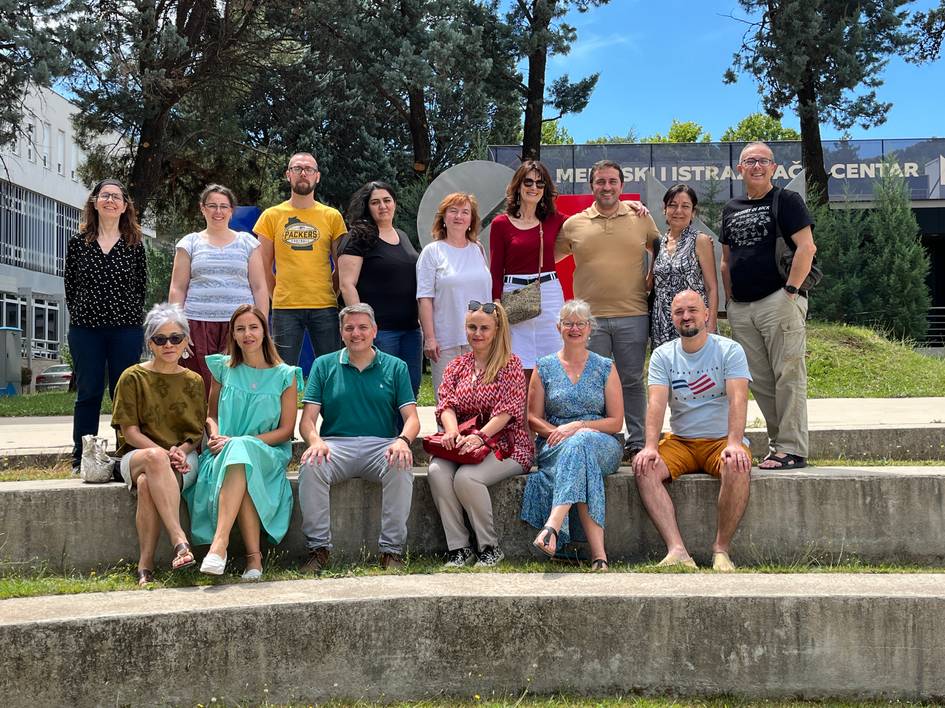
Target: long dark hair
361	225
128	225
513	197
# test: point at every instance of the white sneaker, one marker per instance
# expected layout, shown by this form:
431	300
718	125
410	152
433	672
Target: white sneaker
252	574
213	564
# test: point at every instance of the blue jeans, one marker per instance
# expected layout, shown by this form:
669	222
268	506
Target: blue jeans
623	339
95	349
406	344
289	328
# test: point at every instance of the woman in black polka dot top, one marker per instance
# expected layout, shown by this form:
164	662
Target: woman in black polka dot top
106	280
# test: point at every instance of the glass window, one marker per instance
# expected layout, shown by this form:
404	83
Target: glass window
52	324
10	314
39	322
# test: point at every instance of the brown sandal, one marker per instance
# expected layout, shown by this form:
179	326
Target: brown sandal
183	556
599	565
145	577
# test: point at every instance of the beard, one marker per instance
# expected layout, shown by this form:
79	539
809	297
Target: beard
303	188
688	330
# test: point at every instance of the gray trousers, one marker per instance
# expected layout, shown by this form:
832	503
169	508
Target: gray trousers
355	457
466	487
773	333
623	339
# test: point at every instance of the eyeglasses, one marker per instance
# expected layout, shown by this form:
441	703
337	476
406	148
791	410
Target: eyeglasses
574	325
160	340
752	161
109	197
217	207
475	306
529	182
308	171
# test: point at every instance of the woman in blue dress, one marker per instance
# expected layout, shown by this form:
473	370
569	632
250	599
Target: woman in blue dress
575	406
251	420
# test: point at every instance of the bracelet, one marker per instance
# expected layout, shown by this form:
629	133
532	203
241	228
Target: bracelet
405	439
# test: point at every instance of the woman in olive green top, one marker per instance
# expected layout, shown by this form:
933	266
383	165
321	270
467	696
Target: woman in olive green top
160	414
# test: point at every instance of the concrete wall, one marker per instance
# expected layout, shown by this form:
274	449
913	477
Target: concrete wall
830	515
414	637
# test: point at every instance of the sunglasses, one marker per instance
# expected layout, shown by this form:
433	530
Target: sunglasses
475	306
160	339
529	182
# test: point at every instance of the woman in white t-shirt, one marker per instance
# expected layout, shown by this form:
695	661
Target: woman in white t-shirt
215	271
451	271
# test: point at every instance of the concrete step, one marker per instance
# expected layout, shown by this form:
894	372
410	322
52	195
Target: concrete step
464	634
877	515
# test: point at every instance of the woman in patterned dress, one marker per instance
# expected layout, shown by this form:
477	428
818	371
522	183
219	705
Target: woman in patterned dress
487	384
215	271
575	406
686	261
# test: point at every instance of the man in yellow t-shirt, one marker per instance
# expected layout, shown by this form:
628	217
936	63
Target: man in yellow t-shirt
611	241
300	236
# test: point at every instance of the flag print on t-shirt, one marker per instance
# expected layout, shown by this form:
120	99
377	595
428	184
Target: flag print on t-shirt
699	385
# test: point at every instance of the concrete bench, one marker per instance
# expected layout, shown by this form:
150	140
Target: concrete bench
880	515
392	638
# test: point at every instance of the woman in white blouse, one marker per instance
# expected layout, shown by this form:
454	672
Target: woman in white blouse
215	271
451	271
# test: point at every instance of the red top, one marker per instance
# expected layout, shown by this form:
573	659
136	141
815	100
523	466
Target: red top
506	394
514	251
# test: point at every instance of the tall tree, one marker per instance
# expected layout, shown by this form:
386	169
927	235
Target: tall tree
540	32
929	30
681	132
30	52
139	63
759	126
824	58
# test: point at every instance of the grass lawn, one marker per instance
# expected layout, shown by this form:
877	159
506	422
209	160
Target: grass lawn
556	701
842	362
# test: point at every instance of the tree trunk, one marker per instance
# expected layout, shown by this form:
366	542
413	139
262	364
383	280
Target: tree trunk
535	97
419	130
812	150
147	168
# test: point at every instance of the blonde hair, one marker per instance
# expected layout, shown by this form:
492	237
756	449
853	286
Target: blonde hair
501	349
452	200
269	351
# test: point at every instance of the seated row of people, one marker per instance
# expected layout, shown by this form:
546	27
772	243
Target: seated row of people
369	422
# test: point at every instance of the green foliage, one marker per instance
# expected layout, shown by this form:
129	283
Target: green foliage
682	132
630	137
928	29
875	267
552	133
160	265
759	126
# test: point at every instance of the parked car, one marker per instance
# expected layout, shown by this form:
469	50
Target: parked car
55	378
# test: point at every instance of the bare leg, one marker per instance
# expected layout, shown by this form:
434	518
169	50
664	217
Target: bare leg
163	489
659	505
547	540
149	525
232	493
733	498
250	530
594	533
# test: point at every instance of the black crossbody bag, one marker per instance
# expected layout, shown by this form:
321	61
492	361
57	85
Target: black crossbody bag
784	249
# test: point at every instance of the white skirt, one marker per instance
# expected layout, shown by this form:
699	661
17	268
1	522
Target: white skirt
534	338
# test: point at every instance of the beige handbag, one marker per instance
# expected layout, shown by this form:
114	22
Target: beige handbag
525	303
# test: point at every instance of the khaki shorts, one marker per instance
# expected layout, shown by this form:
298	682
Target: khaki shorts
688	455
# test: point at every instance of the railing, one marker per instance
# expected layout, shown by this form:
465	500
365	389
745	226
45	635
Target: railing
936	334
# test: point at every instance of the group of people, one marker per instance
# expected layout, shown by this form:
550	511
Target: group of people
218	378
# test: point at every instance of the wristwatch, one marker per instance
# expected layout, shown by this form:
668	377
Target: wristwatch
405	439
791	290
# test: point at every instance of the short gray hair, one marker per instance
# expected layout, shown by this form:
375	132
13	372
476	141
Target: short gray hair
577	307
161	314
362	308
756	143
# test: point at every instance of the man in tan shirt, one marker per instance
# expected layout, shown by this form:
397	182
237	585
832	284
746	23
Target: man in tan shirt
611	242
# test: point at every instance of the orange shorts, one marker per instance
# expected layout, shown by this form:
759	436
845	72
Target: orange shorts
688	455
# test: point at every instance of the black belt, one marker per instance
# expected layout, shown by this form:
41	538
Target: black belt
544	278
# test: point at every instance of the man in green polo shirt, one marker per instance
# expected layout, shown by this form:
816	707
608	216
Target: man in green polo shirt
358	390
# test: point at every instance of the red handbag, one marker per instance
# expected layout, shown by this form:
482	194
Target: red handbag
433	444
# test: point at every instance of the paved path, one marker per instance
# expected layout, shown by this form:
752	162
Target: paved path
54	433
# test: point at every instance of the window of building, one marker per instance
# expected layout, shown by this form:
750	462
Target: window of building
34	229
31	139
76	161
47	137
61	153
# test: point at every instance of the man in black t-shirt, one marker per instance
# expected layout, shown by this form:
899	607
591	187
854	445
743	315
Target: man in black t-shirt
767	311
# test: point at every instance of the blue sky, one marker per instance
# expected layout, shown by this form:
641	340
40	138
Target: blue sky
665	59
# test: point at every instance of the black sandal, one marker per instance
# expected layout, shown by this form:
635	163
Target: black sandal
785	460
600	565
541	543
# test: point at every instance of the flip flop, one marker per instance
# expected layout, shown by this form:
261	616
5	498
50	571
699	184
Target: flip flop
785	461
541	542
600	565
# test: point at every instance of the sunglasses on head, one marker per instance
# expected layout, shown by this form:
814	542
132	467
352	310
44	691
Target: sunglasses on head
161	339
475	305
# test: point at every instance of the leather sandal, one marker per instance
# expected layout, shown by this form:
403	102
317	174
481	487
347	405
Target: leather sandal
183	556
600	565
145	577
543	539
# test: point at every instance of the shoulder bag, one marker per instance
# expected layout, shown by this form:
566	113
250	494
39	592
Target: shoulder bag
525	303
433	444
784	251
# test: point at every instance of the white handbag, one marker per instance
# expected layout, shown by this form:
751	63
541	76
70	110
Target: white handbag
96	466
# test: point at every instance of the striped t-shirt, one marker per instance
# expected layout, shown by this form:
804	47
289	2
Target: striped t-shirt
219	276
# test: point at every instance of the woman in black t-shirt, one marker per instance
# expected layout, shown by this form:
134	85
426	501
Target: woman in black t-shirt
378	265
106	281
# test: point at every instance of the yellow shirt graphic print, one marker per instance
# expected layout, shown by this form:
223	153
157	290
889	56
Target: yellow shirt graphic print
298	235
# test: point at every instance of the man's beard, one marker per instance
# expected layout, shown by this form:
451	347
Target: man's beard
689	331
302	191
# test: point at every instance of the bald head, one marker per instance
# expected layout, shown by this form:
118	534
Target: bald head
690	315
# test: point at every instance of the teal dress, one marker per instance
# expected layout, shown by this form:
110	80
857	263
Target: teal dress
250	403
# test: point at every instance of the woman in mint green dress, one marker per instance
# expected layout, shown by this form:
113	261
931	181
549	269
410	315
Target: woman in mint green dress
242	477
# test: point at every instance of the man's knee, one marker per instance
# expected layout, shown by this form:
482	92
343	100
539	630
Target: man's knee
729	472
656	473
